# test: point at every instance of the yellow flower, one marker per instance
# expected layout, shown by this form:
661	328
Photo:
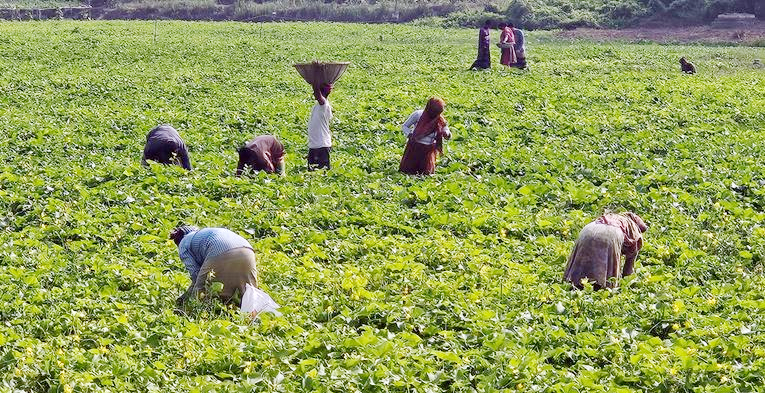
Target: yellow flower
672	371
67	388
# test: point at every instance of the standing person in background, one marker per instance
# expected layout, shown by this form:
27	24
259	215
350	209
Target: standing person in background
264	153
597	254
484	43
215	255
506	45
319	136
520	47
425	130
164	145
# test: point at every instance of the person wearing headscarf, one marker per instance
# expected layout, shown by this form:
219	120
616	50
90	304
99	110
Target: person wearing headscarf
483	61
264	153
425	131
319	136
597	254
165	146
215	255
506	45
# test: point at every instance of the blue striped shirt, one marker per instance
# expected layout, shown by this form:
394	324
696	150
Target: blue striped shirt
206	243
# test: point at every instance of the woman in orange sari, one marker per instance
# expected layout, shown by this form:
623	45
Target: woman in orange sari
425	129
507	45
597	255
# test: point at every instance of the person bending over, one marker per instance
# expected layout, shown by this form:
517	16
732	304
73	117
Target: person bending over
215	255
264	153
686	66
165	146
597	254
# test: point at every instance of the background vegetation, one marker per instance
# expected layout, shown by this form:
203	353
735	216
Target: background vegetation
532	14
389	282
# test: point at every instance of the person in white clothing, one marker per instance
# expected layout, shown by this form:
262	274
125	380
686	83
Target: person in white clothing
319	136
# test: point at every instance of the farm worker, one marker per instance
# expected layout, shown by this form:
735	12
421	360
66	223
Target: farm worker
319	136
425	131
215	255
686	66
483	61
598	251
520	47
506	43
264	153
164	145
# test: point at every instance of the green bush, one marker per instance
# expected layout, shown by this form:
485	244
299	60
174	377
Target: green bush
519	10
471	19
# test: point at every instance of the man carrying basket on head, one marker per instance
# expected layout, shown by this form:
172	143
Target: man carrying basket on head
319	136
320	76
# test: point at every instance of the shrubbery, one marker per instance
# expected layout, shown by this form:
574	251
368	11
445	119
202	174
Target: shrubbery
531	14
565	14
619	13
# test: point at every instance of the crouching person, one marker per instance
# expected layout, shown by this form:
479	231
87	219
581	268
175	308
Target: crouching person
597	255
165	146
264	153
215	255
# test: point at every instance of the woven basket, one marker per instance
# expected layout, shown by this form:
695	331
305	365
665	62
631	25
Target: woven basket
318	73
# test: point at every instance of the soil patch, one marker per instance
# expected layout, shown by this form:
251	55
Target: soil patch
749	34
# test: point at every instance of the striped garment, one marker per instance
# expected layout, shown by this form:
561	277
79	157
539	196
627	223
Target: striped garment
198	246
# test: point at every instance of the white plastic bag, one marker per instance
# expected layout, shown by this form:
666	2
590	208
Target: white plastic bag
256	301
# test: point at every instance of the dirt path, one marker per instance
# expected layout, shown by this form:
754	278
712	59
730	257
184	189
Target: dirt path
750	34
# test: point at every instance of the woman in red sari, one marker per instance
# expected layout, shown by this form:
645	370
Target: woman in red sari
425	129
507	45
597	255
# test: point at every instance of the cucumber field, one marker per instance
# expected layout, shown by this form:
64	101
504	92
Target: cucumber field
387	282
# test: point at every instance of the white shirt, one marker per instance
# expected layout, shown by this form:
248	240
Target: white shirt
411	123
318	126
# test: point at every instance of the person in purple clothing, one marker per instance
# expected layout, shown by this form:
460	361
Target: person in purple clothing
165	146
215	255
484	51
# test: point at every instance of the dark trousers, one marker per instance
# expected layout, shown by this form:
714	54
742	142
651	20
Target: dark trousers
318	158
